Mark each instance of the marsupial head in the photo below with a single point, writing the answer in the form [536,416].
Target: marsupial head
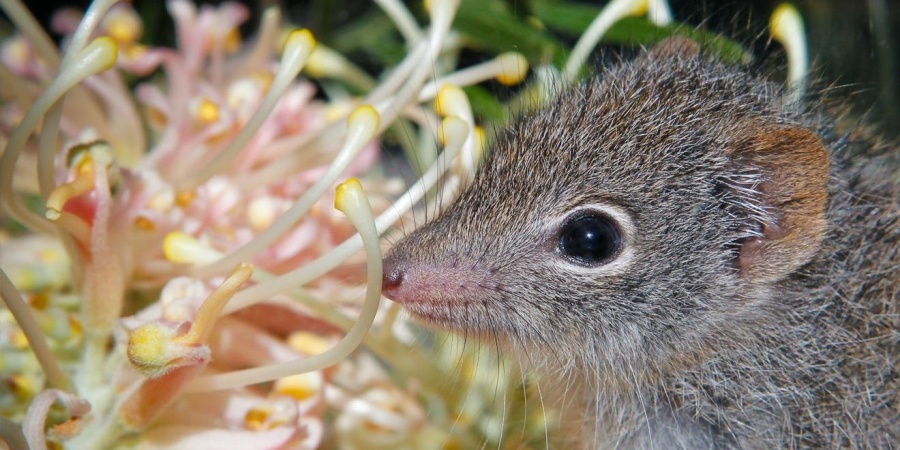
[630,222]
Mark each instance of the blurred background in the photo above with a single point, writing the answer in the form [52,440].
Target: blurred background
[855,45]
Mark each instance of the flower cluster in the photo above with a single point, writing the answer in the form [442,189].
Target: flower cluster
[204,187]
[178,269]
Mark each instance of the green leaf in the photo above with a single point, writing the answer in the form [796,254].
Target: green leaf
[573,18]
[489,25]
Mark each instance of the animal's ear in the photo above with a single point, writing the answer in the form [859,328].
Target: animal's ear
[675,46]
[778,184]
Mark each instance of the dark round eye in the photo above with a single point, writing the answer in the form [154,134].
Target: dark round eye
[590,239]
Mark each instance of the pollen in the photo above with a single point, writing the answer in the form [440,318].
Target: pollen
[49,256]
[143,223]
[299,387]
[18,340]
[308,343]
[135,51]
[255,418]
[184,198]
[205,111]
[451,100]
[262,212]
[181,248]
[21,386]
[124,26]
[148,348]
[513,66]
[82,183]
[232,40]
[16,51]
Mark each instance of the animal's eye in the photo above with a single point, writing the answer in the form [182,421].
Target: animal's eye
[590,239]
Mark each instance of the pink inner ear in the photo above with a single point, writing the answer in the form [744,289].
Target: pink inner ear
[793,196]
[773,231]
[751,250]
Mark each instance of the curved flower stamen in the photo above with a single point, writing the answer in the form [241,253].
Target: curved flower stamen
[297,48]
[508,68]
[362,125]
[614,11]
[32,330]
[100,55]
[786,27]
[456,133]
[36,417]
[351,201]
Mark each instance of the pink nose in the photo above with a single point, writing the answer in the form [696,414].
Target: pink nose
[391,280]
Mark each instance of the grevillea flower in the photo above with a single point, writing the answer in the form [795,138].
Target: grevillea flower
[185,275]
[205,189]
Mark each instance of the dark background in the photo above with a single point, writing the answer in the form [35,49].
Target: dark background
[854,44]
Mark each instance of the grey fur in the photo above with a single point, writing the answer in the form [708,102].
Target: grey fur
[679,348]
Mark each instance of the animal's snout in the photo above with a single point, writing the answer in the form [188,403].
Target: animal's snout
[391,279]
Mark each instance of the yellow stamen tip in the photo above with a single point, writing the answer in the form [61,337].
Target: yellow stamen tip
[184,198]
[349,195]
[366,118]
[480,143]
[300,387]
[205,111]
[105,48]
[232,40]
[82,183]
[143,223]
[300,39]
[639,8]
[308,343]
[148,348]
[124,26]
[514,67]
[784,20]
[183,249]
[255,418]
[451,100]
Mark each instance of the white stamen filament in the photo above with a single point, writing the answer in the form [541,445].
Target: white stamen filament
[353,203]
[455,131]
[32,330]
[399,75]
[50,127]
[402,19]
[265,41]
[325,62]
[659,13]
[297,48]
[786,27]
[100,55]
[452,101]
[442,12]
[511,65]
[614,11]
[361,127]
